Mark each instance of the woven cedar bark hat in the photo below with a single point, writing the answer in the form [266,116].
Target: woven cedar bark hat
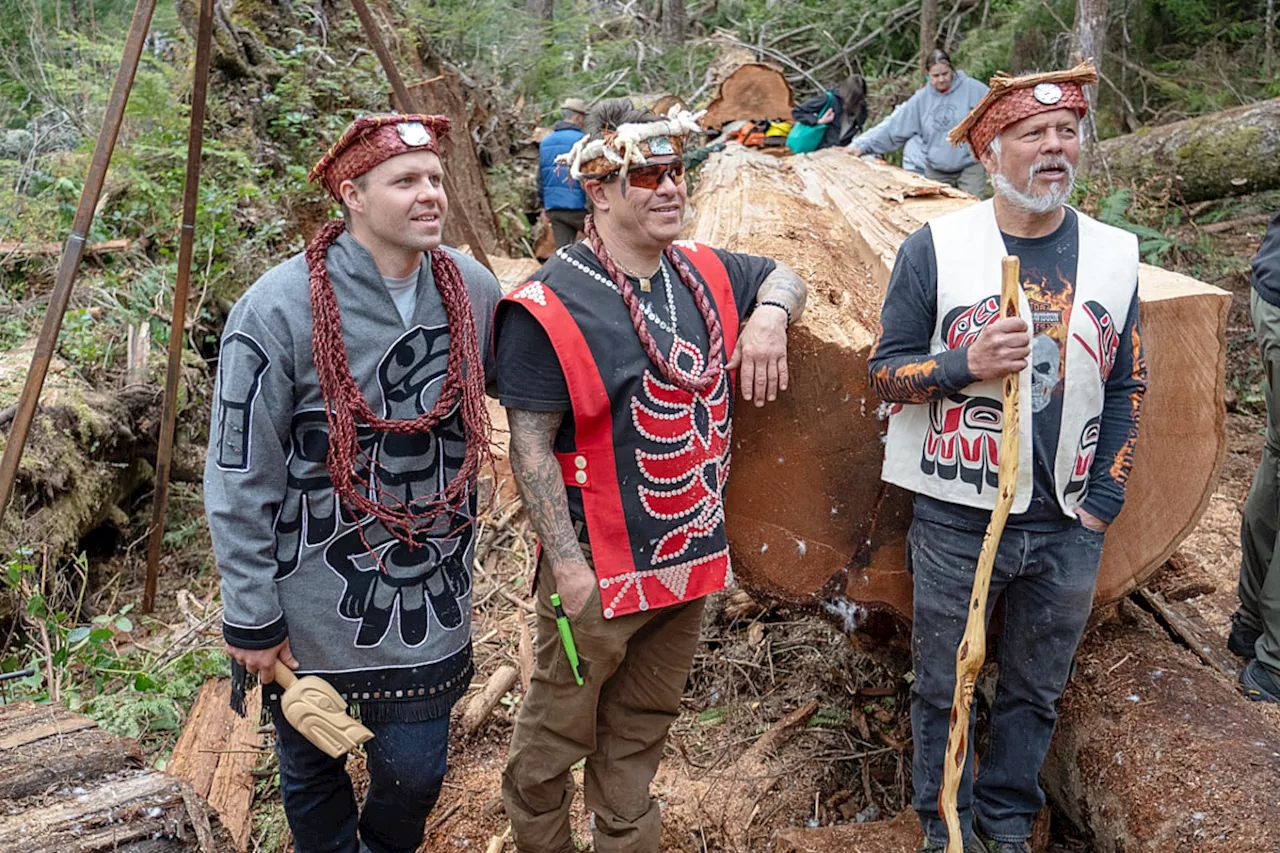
[371,140]
[1011,99]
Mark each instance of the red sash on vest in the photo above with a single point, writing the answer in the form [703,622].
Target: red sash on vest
[674,481]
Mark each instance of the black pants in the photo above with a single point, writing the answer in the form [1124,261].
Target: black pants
[406,763]
[1044,583]
[565,225]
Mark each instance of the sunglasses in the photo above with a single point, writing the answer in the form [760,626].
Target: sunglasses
[650,177]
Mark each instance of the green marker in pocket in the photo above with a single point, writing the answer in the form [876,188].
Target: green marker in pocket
[566,636]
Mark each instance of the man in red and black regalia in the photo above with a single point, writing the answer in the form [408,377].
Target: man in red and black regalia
[617,366]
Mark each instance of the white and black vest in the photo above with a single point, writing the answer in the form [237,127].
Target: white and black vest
[948,448]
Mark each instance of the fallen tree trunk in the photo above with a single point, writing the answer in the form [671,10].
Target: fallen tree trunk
[753,91]
[1221,154]
[1156,751]
[70,787]
[826,529]
[216,753]
[87,451]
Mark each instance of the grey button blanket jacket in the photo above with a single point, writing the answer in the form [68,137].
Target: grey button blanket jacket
[395,640]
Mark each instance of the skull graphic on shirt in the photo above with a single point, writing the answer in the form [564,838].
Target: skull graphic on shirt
[1046,361]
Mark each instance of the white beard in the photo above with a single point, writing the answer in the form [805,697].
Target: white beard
[1047,202]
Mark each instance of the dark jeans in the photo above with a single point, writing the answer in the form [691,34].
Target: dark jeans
[406,762]
[565,225]
[1260,517]
[1044,582]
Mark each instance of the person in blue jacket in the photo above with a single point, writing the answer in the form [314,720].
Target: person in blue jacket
[563,203]
[930,113]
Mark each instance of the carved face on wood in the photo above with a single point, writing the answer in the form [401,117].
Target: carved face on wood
[316,710]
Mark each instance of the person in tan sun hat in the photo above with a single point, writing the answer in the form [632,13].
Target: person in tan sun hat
[348,427]
[939,361]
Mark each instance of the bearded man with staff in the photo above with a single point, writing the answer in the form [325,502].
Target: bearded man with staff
[945,346]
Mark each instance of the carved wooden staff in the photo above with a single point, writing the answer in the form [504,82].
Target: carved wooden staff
[177,328]
[973,645]
[47,340]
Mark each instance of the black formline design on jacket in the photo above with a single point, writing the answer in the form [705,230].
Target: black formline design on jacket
[434,572]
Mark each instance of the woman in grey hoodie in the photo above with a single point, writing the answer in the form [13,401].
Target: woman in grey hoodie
[930,113]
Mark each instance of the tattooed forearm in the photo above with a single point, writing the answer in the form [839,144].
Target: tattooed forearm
[541,482]
[783,285]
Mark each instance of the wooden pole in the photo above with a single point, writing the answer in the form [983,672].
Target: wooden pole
[177,326]
[74,250]
[409,103]
[973,645]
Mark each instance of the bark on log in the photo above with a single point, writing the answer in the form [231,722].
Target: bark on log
[825,528]
[1157,752]
[70,787]
[444,95]
[215,754]
[753,91]
[1226,153]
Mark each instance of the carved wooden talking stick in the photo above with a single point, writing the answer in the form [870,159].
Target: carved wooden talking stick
[973,645]
[317,711]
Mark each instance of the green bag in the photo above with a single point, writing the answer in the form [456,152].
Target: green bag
[804,138]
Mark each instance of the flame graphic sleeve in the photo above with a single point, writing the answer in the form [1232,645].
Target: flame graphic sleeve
[1121,413]
[900,367]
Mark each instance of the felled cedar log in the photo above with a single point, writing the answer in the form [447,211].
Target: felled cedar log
[69,787]
[825,528]
[1226,153]
[1156,752]
[753,91]
[216,753]
[444,95]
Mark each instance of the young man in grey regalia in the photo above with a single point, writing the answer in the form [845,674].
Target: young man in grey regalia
[348,427]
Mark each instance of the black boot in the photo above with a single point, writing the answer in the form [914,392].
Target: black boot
[1243,637]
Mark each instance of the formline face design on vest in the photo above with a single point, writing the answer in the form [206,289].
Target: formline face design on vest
[963,441]
[929,445]
[648,459]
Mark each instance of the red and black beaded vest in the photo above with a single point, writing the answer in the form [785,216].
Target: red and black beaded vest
[650,459]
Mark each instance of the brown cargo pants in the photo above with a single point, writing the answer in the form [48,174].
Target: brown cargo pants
[634,669]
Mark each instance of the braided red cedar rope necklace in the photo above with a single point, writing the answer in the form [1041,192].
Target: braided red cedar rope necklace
[346,408]
[715,332]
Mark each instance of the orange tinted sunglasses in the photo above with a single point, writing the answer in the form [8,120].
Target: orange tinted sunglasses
[650,177]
